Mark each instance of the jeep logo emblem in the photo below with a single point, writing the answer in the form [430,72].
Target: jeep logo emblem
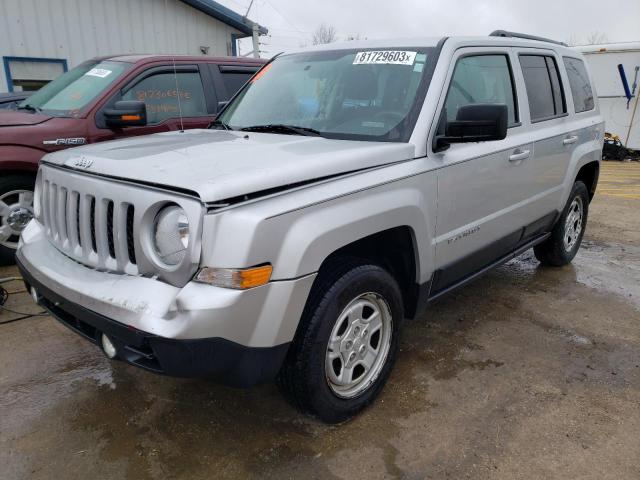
[82,162]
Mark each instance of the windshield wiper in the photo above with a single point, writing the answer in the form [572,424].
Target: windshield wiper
[282,128]
[31,108]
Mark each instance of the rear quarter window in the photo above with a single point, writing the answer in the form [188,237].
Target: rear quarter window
[581,90]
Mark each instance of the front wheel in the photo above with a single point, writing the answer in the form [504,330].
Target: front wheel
[16,210]
[566,237]
[346,343]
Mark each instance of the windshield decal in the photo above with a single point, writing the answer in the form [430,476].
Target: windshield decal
[388,57]
[99,72]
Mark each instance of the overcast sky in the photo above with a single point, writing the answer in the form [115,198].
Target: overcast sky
[292,22]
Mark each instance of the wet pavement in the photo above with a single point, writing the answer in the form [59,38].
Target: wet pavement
[529,372]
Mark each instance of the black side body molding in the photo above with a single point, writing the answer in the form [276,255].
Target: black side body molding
[496,263]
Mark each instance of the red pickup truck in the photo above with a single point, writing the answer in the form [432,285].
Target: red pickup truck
[103,99]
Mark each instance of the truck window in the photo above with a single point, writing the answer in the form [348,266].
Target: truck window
[481,79]
[579,83]
[74,90]
[544,89]
[160,95]
[233,81]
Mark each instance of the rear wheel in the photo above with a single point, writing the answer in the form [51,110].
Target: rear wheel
[566,237]
[16,210]
[346,343]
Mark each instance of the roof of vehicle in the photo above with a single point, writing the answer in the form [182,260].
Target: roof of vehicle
[427,42]
[148,58]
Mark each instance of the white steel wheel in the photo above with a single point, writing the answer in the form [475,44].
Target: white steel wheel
[358,345]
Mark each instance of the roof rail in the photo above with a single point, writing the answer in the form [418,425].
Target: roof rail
[505,33]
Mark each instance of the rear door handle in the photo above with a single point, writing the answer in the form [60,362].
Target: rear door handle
[570,140]
[519,155]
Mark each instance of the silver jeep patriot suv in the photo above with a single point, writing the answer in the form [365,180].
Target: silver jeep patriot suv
[339,192]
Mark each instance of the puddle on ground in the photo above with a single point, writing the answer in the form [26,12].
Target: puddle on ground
[603,266]
[610,267]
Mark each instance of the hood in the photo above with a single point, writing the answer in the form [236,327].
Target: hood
[218,164]
[17,118]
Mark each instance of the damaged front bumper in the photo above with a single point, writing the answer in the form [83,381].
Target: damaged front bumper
[236,337]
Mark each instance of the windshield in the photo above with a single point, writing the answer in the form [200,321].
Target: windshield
[348,94]
[72,91]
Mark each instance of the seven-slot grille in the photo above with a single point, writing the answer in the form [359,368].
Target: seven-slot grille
[93,230]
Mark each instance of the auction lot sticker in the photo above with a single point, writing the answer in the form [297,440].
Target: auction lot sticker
[98,72]
[389,57]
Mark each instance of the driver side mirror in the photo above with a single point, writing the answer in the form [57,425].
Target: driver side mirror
[126,113]
[476,122]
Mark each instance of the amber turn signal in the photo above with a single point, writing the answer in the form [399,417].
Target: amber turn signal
[239,279]
[130,118]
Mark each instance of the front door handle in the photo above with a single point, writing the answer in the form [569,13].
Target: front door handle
[519,155]
[570,140]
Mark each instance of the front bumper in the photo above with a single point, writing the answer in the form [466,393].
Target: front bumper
[216,358]
[236,337]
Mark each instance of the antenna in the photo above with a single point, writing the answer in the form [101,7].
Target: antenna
[250,5]
[175,76]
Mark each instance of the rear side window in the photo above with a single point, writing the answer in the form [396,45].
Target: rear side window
[481,79]
[234,77]
[579,82]
[544,88]
[234,81]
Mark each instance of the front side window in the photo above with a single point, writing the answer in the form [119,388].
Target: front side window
[481,79]
[579,83]
[544,89]
[348,94]
[167,93]
[71,92]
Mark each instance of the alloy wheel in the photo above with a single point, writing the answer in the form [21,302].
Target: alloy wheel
[16,210]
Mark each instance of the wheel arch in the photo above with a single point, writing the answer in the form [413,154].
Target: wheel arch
[19,159]
[588,174]
[394,249]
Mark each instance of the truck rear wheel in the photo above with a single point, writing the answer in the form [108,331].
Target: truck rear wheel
[16,210]
[346,343]
[566,236]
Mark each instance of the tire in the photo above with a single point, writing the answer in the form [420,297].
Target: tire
[12,195]
[305,377]
[564,242]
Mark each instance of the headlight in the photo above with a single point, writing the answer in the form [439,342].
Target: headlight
[171,235]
